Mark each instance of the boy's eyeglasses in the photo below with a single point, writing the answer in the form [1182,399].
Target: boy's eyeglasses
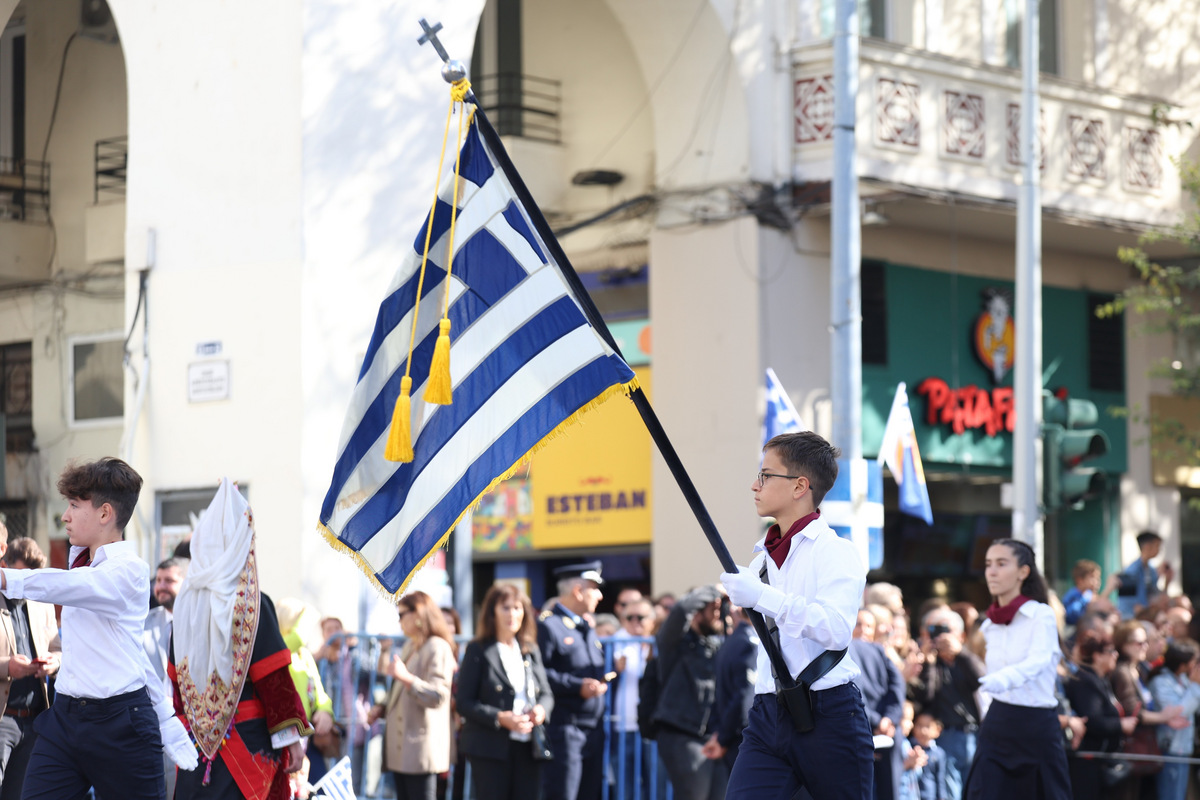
[762,477]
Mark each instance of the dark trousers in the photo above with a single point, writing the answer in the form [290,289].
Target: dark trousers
[112,744]
[16,745]
[577,769]
[834,760]
[415,787]
[693,776]
[514,775]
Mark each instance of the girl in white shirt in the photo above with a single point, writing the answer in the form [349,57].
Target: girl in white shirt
[1020,748]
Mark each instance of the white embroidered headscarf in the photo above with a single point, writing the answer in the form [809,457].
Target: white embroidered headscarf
[219,594]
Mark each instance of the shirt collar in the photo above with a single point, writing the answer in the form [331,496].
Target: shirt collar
[105,551]
[812,530]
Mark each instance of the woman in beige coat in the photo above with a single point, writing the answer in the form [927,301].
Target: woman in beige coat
[417,708]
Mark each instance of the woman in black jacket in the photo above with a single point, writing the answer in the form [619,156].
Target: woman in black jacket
[504,698]
[1092,697]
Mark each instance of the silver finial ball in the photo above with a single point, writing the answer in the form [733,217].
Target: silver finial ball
[454,71]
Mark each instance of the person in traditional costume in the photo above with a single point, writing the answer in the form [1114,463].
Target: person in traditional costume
[229,666]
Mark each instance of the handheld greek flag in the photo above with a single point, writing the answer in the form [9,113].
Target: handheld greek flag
[524,363]
[337,784]
[781,416]
[899,451]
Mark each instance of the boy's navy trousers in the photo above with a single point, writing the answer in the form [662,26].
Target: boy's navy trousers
[112,744]
[834,761]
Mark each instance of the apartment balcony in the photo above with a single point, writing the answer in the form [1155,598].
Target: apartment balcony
[25,235]
[933,125]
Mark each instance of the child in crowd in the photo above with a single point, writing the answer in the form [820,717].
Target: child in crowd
[914,757]
[1086,575]
[938,779]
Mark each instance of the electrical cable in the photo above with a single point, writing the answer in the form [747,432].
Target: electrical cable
[62,70]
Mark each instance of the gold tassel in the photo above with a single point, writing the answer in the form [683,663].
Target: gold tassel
[399,443]
[437,388]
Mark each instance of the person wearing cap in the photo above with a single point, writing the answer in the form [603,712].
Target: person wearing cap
[574,662]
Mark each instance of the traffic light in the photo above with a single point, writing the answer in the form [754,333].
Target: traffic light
[1068,439]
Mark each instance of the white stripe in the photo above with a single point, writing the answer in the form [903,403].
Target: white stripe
[520,393]
[469,350]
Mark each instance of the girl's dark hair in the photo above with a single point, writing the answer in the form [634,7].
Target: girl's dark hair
[1180,652]
[1034,585]
[486,629]
[429,617]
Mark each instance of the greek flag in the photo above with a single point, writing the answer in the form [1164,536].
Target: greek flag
[337,784]
[524,363]
[781,416]
[899,451]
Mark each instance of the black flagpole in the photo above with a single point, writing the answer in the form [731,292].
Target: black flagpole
[640,401]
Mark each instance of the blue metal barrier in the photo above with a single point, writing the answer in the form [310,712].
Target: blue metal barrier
[354,683]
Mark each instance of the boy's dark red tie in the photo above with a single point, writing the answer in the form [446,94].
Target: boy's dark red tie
[83,559]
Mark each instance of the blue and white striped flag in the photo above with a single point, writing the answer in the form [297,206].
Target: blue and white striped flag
[899,451]
[337,784]
[524,362]
[781,416]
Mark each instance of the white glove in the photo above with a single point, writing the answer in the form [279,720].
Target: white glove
[744,587]
[178,745]
[992,684]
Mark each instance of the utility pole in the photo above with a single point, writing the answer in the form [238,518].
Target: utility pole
[1027,443]
[846,247]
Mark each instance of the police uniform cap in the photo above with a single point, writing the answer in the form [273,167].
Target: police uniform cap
[588,570]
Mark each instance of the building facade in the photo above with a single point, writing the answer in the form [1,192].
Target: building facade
[203,208]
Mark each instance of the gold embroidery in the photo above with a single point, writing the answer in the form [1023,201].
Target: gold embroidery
[211,714]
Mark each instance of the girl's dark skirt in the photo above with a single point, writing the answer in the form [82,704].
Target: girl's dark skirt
[1019,754]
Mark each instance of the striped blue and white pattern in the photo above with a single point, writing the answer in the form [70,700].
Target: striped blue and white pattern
[781,415]
[523,361]
[854,507]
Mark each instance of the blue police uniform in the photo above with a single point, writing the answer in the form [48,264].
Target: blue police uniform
[571,652]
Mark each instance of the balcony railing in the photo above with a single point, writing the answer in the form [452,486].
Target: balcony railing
[24,189]
[112,157]
[943,125]
[522,105]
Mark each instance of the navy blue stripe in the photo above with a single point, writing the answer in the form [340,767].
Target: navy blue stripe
[476,168]
[487,266]
[568,397]
[395,306]
[378,415]
[517,220]
[546,327]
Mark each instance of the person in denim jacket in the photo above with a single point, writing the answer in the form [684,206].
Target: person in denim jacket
[1177,683]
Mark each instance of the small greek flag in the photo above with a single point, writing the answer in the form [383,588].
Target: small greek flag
[337,784]
[524,364]
[781,416]
[899,451]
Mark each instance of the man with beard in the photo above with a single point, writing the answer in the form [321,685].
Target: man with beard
[157,637]
[687,650]
[574,662]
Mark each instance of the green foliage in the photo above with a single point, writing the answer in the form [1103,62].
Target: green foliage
[1166,301]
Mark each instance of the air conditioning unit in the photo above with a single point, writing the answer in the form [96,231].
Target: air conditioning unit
[96,21]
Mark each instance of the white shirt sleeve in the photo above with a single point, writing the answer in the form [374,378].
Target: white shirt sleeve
[828,619]
[102,589]
[1043,652]
[287,736]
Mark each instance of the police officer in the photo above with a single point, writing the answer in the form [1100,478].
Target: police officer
[574,661]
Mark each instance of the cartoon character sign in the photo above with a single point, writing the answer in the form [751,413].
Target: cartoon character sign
[994,334]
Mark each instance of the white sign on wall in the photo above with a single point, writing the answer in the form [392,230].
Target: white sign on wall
[208,381]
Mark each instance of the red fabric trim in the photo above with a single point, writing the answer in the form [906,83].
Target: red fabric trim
[249,709]
[253,774]
[269,664]
[281,701]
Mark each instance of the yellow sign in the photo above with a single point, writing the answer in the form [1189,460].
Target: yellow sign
[592,487]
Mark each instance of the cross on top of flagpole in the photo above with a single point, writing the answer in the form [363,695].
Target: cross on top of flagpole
[430,35]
